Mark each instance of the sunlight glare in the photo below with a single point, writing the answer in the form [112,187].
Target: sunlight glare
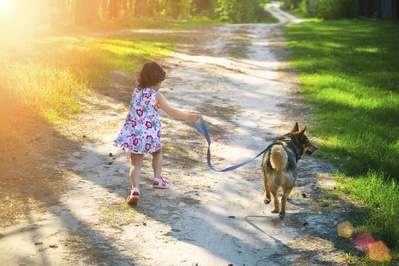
[20,19]
[4,5]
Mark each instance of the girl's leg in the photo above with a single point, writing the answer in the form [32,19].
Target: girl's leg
[135,169]
[157,163]
[158,182]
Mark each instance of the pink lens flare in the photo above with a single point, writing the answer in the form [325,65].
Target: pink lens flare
[363,241]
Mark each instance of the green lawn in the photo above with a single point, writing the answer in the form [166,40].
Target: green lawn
[349,73]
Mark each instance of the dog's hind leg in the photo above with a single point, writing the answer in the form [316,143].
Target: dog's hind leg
[266,197]
[274,190]
[286,193]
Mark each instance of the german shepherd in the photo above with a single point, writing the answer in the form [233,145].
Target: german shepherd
[279,165]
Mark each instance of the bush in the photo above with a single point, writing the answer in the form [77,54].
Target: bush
[291,4]
[332,9]
[237,11]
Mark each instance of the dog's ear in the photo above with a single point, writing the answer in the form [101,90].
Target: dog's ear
[296,127]
[303,131]
[285,136]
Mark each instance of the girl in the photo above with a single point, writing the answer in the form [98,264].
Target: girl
[141,131]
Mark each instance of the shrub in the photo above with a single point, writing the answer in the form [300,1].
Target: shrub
[332,9]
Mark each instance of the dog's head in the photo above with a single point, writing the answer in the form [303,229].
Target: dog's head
[299,138]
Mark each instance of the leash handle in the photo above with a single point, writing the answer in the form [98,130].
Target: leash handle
[204,132]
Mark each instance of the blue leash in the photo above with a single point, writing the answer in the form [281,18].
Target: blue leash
[204,132]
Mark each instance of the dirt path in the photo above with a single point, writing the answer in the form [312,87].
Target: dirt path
[206,218]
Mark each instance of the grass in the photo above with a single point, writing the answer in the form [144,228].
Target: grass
[117,213]
[348,71]
[380,197]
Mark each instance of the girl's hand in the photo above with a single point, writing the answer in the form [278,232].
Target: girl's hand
[196,119]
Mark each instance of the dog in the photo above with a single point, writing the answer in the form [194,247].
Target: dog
[279,165]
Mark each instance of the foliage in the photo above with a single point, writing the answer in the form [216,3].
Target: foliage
[325,9]
[332,9]
[348,71]
[291,4]
[63,13]
[236,11]
[203,8]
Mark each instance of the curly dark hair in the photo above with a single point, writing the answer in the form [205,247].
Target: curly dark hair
[151,74]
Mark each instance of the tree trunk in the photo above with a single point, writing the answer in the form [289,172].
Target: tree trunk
[113,8]
[83,11]
[138,8]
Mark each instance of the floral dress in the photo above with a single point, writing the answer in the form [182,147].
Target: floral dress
[141,131]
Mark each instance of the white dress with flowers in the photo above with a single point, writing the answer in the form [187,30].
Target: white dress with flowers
[141,131]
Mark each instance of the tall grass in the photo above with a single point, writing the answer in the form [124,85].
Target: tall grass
[33,86]
[348,70]
[37,85]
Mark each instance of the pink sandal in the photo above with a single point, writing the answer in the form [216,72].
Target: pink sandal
[134,196]
[159,182]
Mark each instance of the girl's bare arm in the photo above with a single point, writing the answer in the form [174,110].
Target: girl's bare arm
[164,105]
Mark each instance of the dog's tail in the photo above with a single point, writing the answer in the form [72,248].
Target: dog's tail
[278,157]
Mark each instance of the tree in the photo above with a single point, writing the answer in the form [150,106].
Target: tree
[332,9]
[83,11]
[203,7]
[138,7]
[237,11]
[113,8]
[291,4]
[177,9]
